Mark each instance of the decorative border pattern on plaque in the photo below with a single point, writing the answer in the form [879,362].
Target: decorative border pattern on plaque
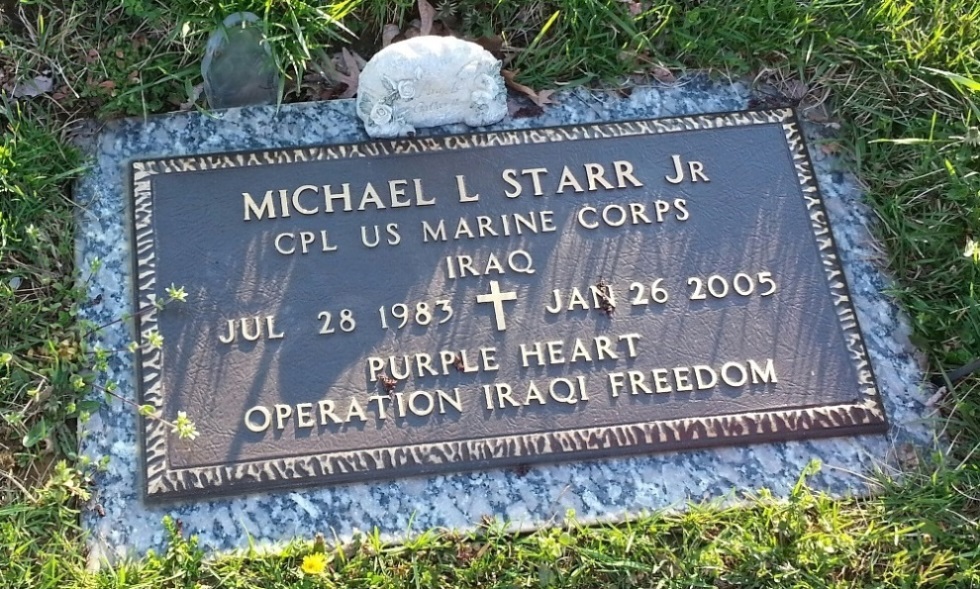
[866,415]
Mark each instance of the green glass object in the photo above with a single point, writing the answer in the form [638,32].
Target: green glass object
[239,67]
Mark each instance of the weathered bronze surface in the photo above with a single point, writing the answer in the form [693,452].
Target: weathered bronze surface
[402,307]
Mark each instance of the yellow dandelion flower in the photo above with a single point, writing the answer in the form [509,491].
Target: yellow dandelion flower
[314,564]
[972,250]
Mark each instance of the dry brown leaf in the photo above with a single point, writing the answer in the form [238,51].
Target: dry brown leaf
[350,78]
[795,89]
[426,14]
[353,73]
[539,98]
[388,33]
[29,89]
[107,84]
[360,61]
[663,75]
[509,79]
[544,97]
[495,45]
[192,99]
[830,148]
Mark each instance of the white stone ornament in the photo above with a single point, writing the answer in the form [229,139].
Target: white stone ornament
[430,81]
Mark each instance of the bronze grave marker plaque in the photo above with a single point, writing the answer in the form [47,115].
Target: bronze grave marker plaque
[393,308]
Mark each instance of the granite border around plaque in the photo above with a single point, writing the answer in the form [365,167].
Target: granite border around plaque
[119,524]
[163,482]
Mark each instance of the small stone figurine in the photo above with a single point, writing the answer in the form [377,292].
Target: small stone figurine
[429,81]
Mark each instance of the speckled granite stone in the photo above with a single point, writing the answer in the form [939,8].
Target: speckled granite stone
[599,490]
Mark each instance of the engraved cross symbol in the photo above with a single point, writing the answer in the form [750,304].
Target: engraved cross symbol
[497,298]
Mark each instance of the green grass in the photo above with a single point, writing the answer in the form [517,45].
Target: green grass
[901,77]
[38,341]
